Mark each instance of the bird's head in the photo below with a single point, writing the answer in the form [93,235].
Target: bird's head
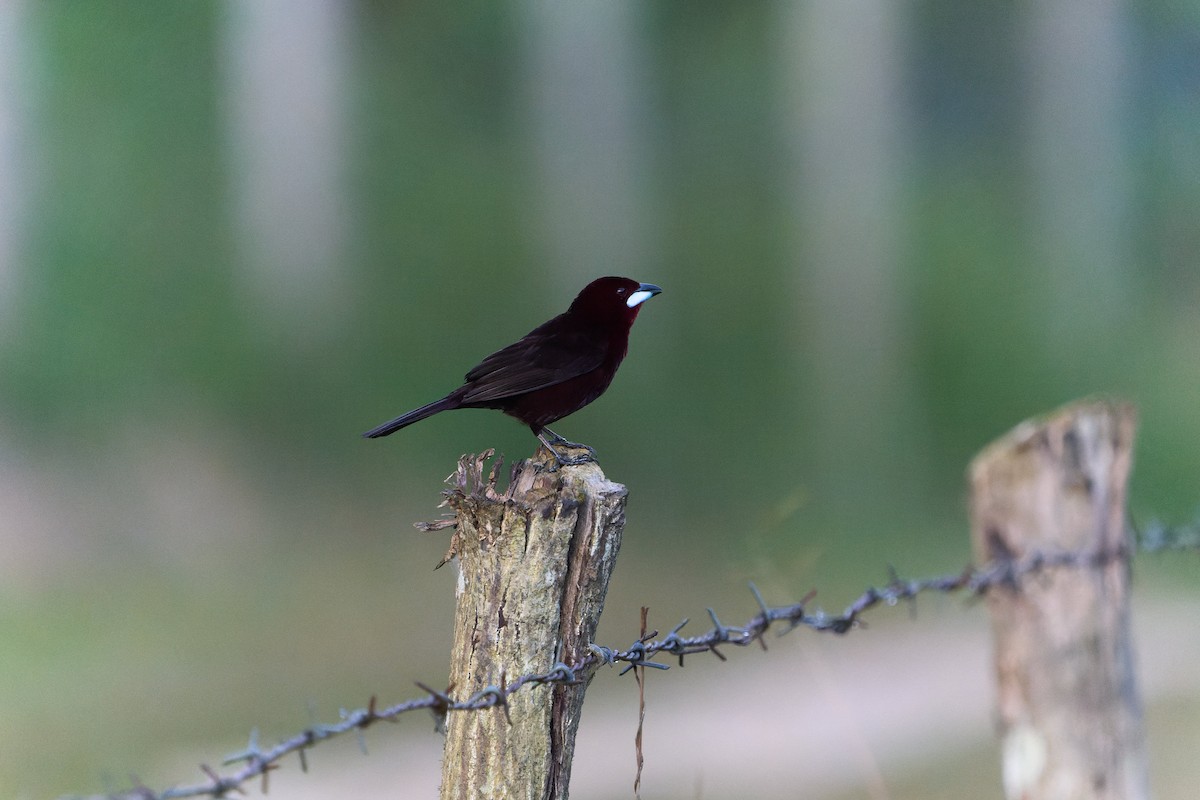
[612,299]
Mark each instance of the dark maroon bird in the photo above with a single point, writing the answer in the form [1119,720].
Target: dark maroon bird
[555,370]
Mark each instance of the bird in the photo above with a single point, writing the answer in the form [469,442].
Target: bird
[554,370]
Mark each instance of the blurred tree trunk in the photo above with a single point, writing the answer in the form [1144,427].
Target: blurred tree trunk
[583,69]
[13,144]
[844,102]
[284,84]
[1076,63]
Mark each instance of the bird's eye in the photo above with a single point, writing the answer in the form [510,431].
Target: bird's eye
[622,290]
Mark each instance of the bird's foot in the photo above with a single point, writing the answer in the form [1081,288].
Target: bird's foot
[555,442]
[572,461]
[555,439]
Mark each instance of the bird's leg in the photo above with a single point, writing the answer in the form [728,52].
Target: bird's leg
[563,461]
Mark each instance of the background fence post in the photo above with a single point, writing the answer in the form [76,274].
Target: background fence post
[1069,711]
[534,563]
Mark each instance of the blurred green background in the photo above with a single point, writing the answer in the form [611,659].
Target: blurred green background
[235,235]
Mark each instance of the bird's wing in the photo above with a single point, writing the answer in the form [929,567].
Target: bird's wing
[548,355]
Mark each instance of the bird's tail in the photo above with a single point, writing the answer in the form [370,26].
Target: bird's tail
[416,415]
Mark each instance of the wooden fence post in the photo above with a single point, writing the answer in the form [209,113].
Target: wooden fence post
[534,563]
[1070,716]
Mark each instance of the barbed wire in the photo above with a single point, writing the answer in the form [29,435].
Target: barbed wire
[1157,536]
[258,762]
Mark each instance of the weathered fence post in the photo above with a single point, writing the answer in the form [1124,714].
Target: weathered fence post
[1069,712]
[534,563]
